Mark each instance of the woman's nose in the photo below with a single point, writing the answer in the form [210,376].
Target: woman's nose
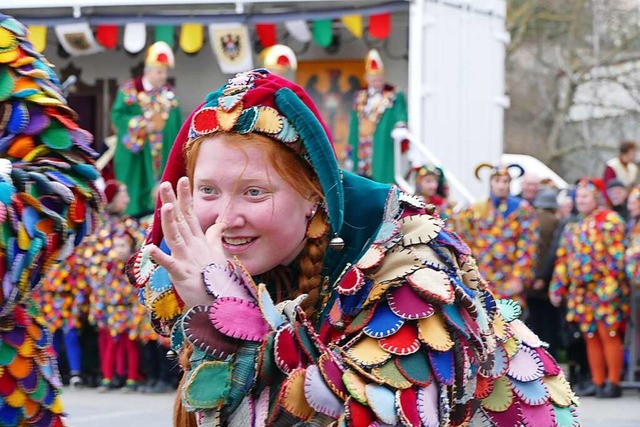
[232,215]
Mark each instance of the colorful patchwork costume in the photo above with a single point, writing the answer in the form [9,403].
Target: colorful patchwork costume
[407,332]
[141,154]
[503,237]
[47,205]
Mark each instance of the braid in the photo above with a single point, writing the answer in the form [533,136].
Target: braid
[310,278]
[182,418]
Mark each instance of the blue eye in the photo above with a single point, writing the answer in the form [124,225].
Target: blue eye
[254,192]
[205,189]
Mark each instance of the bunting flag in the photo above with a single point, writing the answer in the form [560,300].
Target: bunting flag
[107,36]
[232,46]
[164,33]
[299,30]
[267,34]
[135,37]
[380,25]
[191,37]
[77,39]
[323,32]
[38,37]
[353,23]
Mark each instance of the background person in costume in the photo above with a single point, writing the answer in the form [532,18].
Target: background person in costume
[431,186]
[590,276]
[377,111]
[47,205]
[280,60]
[623,167]
[396,326]
[502,232]
[146,117]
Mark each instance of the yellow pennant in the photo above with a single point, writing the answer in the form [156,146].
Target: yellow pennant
[38,37]
[191,37]
[353,24]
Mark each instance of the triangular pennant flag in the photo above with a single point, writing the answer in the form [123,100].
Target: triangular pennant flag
[191,37]
[135,37]
[38,37]
[353,23]
[77,39]
[299,30]
[107,36]
[323,32]
[267,34]
[164,33]
[232,47]
[380,25]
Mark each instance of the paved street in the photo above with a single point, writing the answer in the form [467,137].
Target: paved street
[87,408]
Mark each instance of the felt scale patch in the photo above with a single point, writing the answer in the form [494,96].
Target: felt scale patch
[411,200]
[269,311]
[550,366]
[355,386]
[512,345]
[382,402]
[525,334]
[384,322]
[532,393]
[238,318]
[165,306]
[287,353]
[318,227]
[406,401]
[484,387]
[359,415]
[500,398]
[351,282]
[208,385]
[442,364]
[371,258]
[367,352]
[559,390]
[509,309]
[160,281]
[405,341]
[319,396]
[398,262]
[428,406]
[361,319]
[332,374]
[221,281]
[566,417]
[419,229]
[537,415]
[509,417]
[434,285]
[390,374]
[432,332]
[407,304]
[388,234]
[292,395]
[197,328]
[525,365]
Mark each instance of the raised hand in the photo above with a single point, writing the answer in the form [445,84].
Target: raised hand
[191,249]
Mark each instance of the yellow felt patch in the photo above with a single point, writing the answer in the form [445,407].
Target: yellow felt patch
[165,306]
[501,397]
[227,119]
[318,226]
[560,390]
[269,120]
[16,399]
[367,352]
[293,400]
[432,332]
[512,345]
[500,327]
[57,406]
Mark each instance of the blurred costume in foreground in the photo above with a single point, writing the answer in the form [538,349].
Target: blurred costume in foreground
[47,205]
[147,118]
[377,110]
[502,232]
[398,327]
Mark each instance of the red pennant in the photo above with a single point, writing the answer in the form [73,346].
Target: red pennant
[107,36]
[380,25]
[267,34]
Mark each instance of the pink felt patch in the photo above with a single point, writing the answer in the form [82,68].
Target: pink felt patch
[428,405]
[238,318]
[549,364]
[332,374]
[525,365]
[406,303]
[510,417]
[540,415]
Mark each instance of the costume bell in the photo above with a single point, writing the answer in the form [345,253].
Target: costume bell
[502,232]
[147,118]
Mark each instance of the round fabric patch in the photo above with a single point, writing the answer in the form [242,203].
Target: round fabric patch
[532,393]
[549,364]
[428,406]
[269,120]
[559,390]
[288,355]
[160,280]
[419,229]
[332,374]
[431,331]
[566,417]
[355,385]
[403,342]
[500,398]
[387,231]
[165,306]
[351,282]
[319,396]
[433,285]
[368,353]
[525,365]
[538,415]
[205,121]
[56,137]
[382,402]
[415,368]
[390,375]
[442,364]
[358,415]
[408,407]
[384,322]
[406,303]
[371,258]
[509,309]
[525,334]
[198,329]
[208,385]
[292,395]
[238,318]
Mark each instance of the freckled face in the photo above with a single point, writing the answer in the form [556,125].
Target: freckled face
[266,217]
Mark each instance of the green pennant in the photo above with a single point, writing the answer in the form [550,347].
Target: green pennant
[164,33]
[323,32]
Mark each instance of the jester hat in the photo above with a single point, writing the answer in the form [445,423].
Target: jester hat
[500,170]
[48,199]
[159,54]
[279,57]
[261,102]
[597,186]
[373,64]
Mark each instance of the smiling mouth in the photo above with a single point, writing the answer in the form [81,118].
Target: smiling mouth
[238,241]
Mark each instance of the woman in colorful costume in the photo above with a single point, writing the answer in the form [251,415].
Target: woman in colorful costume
[502,232]
[590,276]
[397,326]
[431,186]
[47,205]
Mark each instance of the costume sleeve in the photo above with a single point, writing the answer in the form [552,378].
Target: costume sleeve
[632,258]
[609,174]
[400,106]
[611,263]
[130,124]
[526,246]
[410,336]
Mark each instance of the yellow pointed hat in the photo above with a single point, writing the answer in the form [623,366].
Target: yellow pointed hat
[159,54]
[373,63]
[279,58]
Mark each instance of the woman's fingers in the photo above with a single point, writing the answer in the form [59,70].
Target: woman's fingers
[166,261]
[185,205]
[172,234]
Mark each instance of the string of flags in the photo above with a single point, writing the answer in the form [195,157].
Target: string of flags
[230,42]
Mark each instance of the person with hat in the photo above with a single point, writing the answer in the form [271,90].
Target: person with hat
[623,167]
[280,60]
[294,292]
[432,188]
[590,276]
[48,204]
[378,110]
[503,233]
[618,192]
[146,116]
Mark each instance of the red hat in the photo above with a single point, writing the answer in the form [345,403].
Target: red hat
[111,189]
[260,102]
[596,185]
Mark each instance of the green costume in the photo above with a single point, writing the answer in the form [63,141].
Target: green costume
[141,155]
[370,130]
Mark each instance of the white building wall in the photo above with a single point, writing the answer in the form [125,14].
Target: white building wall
[456,82]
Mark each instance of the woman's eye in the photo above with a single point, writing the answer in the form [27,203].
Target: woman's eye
[254,192]
[206,189]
